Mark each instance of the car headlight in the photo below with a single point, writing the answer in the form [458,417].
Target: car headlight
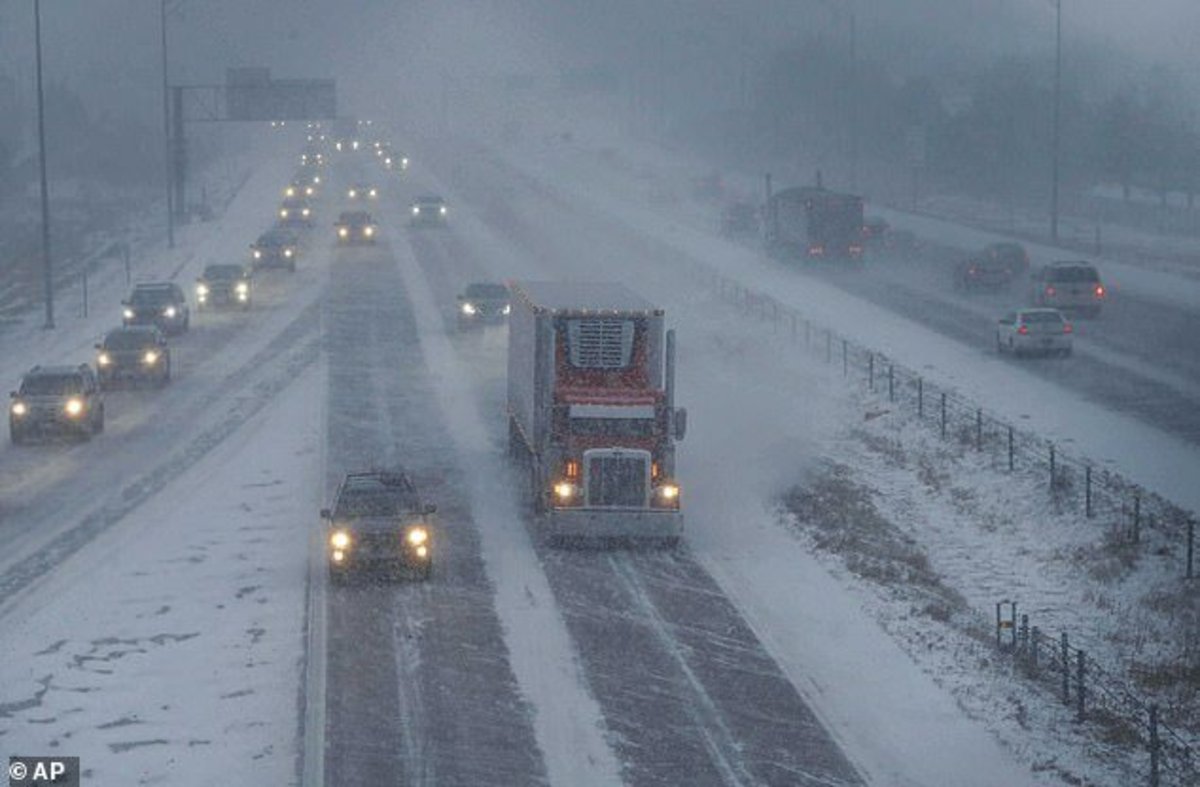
[343,232]
[19,409]
[151,357]
[127,314]
[242,288]
[507,309]
[74,407]
[352,193]
[169,312]
[372,193]
[468,308]
[565,491]
[354,144]
[283,214]
[201,290]
[442,210]
[317,179]
[289,192]
[338,145]
[305,212]
[308,192]
[257,254]
[416,210]
[340,539]
[103,359]
[287,252]
[404,163]
[387,162]
[368,231]
[418,536]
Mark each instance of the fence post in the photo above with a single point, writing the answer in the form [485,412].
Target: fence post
[1066,670]
[943,415]
[1137,518]
[1010,449]
[845,359]
[1080,672]
[1087,491]
[1191,542]
[920,398]
[891,383]
[871,371]
[1036,634]
[1052,465]
[979,429]
[1153,746]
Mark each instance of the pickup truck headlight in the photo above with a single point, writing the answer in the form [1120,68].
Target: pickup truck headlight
[343,232]
[19,409]
[103,359]
[127,314]
[469,309]
[417,536]
[369,231]
[201,290]
[150,358]
[340,539]
[241,288]
[74,407]
[169,312]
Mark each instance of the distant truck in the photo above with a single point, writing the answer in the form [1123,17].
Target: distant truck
[809,222]
[592,415]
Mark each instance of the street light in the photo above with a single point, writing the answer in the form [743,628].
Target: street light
[1057,112]
[47,270]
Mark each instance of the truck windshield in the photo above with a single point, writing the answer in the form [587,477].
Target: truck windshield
[613,427]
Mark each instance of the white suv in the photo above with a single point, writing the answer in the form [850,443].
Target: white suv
[1034,331]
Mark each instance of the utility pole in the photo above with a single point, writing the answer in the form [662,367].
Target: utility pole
[47,269]
[166,126]
[1057,113]
[854,101]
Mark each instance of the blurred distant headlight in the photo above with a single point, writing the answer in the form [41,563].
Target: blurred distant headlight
[287,252]
[283,213]
[418,536]
[340,539]
[343,232]
[372,193]
[169,312]
[354,144]
[387,162]
[19,409]
[289,192]
[469,308]
[242,288]
[305,212]
[442,210]
[257,254]
[74,407]
[338,145]
[150,358]
[507,309]
[308,191]
[368,231]
[416,210]
[404,162]
[202,290]
[127,314]
[103,359]
[317,179]
[352,193]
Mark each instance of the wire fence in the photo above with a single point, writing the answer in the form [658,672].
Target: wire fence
[1073,482]
[1100,494]
[1099,698]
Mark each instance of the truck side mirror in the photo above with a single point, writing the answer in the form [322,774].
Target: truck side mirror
[325,513]
[680,424]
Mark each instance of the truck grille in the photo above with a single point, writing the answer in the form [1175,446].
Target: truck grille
[599,343]
[616,481]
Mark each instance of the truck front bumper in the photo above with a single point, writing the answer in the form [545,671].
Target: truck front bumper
[614,523]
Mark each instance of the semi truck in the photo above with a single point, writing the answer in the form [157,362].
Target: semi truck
[807,222]
[591,411]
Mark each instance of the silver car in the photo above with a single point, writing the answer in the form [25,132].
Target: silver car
[1030,331]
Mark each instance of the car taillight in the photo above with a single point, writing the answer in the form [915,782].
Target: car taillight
[1067,327]
[1099,290]
[1050,291]
[1024,329]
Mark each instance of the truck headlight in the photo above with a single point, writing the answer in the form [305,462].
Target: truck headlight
[372,193]
[103,359]
[169,312]
[417,536]
[343,232]
[340,540]
[666,495]
[565,491]
[283,214]
[469,309]
[150,357]
[74,407]
[127,314]
[201,290]
[287,252]
[19,409]
[368,231]
[352,193]
[242,288]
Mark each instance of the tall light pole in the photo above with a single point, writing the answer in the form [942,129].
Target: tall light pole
[47,269]
[1057,113]
[166,125]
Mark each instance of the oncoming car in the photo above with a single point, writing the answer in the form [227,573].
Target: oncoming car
[429,210]
[162,304]
[1034,331]
[138,354]
[362,191]
[276,248]
[378,519]
[354,227]
[483,302]
[223,285]
[56,399]
[296,211]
